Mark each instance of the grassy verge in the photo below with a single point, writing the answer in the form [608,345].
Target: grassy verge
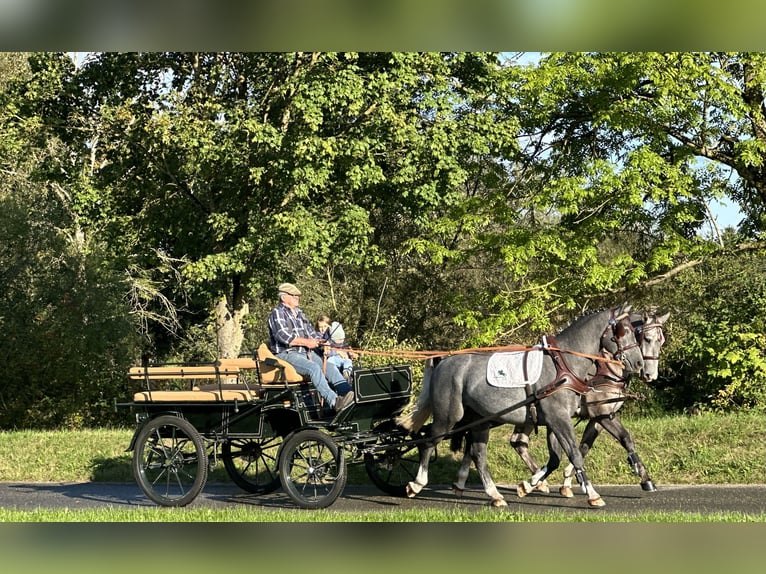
[706,448]
[242,514]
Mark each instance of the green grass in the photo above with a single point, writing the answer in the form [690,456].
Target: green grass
[241,514]
[699,449]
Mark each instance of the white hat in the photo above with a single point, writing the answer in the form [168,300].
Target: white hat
[337,332]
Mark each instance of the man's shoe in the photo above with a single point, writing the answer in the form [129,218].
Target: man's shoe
[344,401]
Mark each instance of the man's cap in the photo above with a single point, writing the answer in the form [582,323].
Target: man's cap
[288,288]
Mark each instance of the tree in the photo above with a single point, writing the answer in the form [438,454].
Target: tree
[250,168]
[65,334]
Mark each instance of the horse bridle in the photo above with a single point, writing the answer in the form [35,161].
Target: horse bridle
[641,331]
[615,330]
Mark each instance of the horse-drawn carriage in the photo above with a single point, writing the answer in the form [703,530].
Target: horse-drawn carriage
[271,430]
[269,427]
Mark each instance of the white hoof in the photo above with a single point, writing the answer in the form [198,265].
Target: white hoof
[566,492]
[596,502]
[413,488]
[543,487]
[523,489]
[499,502]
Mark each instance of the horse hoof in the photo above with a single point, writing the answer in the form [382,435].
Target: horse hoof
[648,486]
[596,503]
[499,502]
[523,489]
[413,489]
[566,492]
[543,487]
[456,490]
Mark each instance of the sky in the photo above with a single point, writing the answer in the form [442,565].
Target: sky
[727,214]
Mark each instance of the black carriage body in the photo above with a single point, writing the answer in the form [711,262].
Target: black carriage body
[265,437]
[381,394]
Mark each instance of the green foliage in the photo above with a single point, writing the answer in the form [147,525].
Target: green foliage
[431,200]
[715,356]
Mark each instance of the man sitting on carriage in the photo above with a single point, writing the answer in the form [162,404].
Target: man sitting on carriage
[293,339]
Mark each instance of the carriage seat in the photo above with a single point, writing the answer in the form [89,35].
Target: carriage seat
[197,395]
[226,372]
[274,370]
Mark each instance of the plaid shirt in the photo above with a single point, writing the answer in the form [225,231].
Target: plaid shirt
[284,326]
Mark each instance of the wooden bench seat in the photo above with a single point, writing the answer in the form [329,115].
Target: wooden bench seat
[227,373]
[204,396]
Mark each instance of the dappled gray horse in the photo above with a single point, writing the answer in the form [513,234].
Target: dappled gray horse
[600,406]
[457,390]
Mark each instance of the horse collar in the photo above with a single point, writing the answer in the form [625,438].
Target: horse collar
[565,378]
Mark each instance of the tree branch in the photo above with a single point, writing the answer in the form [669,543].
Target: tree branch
[694,262]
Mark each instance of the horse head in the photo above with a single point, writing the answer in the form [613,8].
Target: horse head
[651,337]
[620,341]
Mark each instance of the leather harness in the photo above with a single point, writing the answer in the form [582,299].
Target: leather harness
[566,379]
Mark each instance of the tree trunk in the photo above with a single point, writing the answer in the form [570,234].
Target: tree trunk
[228,321]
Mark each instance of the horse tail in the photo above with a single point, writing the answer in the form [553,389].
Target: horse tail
[415,419]
[456,441]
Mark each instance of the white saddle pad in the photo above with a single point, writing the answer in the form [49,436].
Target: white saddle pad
[514,369]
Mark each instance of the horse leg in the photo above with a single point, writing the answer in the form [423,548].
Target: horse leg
[520,443]
[421,477]
[439,428]
[478,448]
[589,436]
[561,428]
[465,464]
[539,475]
[615,427]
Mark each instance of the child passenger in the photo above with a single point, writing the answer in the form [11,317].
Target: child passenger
[333,332]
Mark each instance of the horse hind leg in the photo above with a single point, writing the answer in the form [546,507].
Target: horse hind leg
[458,440]
[479,439]
[414,487]
[520,443]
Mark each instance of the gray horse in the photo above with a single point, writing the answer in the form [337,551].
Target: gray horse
[600,406]
[456,391]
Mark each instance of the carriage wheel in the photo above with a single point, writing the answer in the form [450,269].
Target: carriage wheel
[170,462]
[312,468]
[393,468]
[252,463]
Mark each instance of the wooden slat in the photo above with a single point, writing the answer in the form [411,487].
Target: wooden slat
[194,396]
[238,363]
[182,372]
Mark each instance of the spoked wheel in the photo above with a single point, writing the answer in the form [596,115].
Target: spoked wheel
[312,468]
[252,463]
[393,468]
[170,462]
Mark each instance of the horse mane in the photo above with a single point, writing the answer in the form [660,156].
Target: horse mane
[586,314]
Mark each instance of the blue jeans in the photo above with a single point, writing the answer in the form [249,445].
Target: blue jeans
[312,367]
[341,363]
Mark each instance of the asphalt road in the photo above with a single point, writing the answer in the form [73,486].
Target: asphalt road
[746,499]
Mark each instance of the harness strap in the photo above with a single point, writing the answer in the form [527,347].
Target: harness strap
[565,378]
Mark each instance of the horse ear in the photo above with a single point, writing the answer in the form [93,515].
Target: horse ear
[626,308]
[665,317]
[619,331]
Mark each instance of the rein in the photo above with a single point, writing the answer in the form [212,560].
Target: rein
[425,355]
